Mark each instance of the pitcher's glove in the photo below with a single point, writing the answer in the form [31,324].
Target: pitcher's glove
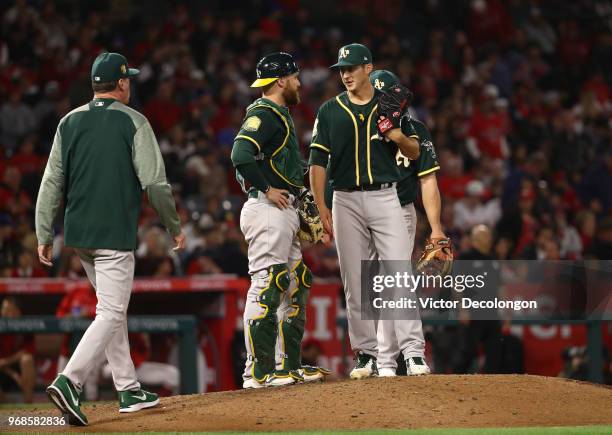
[311,227]
[437,259]
[392,104]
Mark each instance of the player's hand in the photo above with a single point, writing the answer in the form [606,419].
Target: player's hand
[180,241]
[280,197]
[394,134]
[44,254]
[326,219]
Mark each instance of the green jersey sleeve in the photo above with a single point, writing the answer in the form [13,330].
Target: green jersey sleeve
[320,142]
[408,128]
[258,128]
[428,160]
[320,133]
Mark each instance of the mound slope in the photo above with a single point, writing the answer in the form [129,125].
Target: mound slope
[383,403]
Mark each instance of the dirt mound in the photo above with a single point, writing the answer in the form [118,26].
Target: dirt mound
[403,402]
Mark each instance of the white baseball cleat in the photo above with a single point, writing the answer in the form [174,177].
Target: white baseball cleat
[417,366]
[386,373]
[313,373]
[252,383]
[365,367]
[284,377]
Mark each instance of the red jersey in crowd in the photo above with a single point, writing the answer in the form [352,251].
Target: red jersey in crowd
[489,131]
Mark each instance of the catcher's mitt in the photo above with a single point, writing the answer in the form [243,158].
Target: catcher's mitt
[311,227]
[437,258]
[392,104]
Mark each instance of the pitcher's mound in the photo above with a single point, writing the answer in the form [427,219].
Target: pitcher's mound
[402,402]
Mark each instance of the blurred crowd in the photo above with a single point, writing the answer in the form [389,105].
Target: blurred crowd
[516,94]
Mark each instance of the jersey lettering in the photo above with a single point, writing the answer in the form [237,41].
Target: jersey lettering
[401,159]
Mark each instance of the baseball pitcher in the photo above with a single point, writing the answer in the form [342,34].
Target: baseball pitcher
[359,142]
[270,168]
[103,155]
[407,335]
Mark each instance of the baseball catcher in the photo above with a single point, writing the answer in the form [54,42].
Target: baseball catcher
[269,166]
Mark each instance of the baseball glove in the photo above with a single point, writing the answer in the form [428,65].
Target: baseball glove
[392,104]
[437,258]
[311,227]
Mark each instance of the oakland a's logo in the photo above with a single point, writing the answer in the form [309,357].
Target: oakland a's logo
[379,84]
[123,69]
[344,52]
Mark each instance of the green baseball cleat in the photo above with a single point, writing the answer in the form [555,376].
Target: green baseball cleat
[65,396]
[284,377]
[313,373]
[365,367]
[132,401]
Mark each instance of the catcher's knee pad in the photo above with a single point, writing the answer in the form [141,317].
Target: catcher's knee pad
[292,327]
[262,328]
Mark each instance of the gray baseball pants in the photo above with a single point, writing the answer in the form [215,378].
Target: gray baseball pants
[271,234]
[111,273]
[362,218]
[401,335]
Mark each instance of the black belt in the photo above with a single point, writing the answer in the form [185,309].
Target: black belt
[254,193]
[367,187]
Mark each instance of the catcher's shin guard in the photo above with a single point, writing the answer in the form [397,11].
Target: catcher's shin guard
[261,321]
[291,327]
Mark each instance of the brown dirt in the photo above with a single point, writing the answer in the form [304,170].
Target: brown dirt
[383,403]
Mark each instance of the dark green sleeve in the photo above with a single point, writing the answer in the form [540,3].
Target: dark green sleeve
[320,143]
[251,173]
[259,126]
[243,159]
[318,157]
[243,152]
[428,160]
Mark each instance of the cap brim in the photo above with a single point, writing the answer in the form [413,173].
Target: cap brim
[133,72]
[345,63]
[263,82]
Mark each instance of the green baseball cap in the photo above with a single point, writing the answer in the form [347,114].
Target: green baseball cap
[382,79]
[110,67]
[353,54]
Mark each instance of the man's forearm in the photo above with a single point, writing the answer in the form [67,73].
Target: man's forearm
[432,203]
[408,145]
[317,184]
[162,201]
